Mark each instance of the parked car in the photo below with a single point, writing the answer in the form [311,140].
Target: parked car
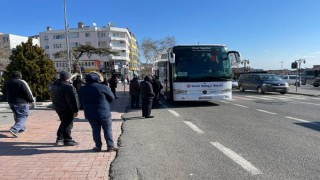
[235,84]
[263,83]
[292,79]
[316,82]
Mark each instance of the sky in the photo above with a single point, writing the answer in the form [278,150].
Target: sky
[271,34]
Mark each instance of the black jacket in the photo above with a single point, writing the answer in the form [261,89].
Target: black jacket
[146,90]
[64,97]
[134,87]
[17,91]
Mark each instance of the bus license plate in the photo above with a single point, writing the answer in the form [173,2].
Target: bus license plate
[205,97]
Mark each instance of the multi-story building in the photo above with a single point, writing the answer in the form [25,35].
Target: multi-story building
[116,39]
[9,42]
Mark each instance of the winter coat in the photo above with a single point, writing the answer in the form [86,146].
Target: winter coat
[17,91]
[64,97]
[113,82]
[146,90]
[134,87]
[96,98]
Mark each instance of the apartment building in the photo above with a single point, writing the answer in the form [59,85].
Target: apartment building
[119,40]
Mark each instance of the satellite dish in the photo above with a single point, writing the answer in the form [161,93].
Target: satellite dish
[94,24]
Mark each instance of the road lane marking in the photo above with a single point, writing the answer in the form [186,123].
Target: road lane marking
[297,119]
[268,112]
[309,103]
[174,113]
[257,97]
[193,127]
[225,102]
[241,105]
[237,158]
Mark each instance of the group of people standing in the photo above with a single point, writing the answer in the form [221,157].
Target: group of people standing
[92,95]
[66,97]
[149,90]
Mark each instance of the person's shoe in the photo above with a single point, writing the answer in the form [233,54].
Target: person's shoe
[71,143]
[149,116]
[59,143]
[14,133]
[22,130]
[112,149]
[96,149]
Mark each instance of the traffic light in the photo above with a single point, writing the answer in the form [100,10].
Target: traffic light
[294,65]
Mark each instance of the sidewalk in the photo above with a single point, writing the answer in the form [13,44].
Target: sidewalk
[34,155]
[306,90]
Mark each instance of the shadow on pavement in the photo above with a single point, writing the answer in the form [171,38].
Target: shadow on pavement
[29,148]
[312,125]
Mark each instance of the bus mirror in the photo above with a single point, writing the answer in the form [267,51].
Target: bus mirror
[172,57]
[235,55]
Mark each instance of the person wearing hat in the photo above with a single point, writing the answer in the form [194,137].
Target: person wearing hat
[19,96]
[65,101]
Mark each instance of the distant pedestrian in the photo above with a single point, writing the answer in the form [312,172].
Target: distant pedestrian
[157,86]
[134,89]
[65,101]
[77,83]
[113,82]
[18,94]
[147,96]
[96,99]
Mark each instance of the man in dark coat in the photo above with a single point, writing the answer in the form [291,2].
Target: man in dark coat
[147,96]
[157,86]
[113,82]
[134,89]
[65,101]
[96,99]
[18,94]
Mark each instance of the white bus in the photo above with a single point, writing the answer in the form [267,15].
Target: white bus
[197,73]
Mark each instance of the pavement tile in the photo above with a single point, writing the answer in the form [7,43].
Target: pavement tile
[33,155]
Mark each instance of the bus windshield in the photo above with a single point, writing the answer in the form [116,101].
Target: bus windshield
[201,63]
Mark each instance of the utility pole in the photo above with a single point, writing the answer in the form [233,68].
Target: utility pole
[299,61]
[66,29]
[245,62]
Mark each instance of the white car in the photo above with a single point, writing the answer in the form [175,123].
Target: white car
[291,79]
[235,84]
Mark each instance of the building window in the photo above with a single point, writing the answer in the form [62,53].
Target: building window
[58,36]
[103,34]
[87,34]
[48,56]
[47,47]
[46,38]
[102,44]
[74,44]
[56,46]
[74,35]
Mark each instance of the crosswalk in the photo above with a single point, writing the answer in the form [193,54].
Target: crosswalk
[274,97]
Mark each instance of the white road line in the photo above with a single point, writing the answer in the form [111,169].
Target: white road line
[256,97]
[241,105]
[225,102]
[244,98]
[194,127]
[174,113]
[268,112]
[237,158]
[297,119]
[309,103]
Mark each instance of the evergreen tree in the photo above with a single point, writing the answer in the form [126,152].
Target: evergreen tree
[37,70]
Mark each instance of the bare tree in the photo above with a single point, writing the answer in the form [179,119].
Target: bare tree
[152,49]
[4,55]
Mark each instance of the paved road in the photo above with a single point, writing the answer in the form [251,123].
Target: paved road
[270,136]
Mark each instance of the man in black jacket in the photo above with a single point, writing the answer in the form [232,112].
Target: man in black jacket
[134,89]
[19,95]
[65,101]
[147,96]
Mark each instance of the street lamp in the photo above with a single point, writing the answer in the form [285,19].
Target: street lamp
[245,62]
[299,61]
[67,36]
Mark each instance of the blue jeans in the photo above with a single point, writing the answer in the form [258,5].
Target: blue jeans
[106,125]
[20,115]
